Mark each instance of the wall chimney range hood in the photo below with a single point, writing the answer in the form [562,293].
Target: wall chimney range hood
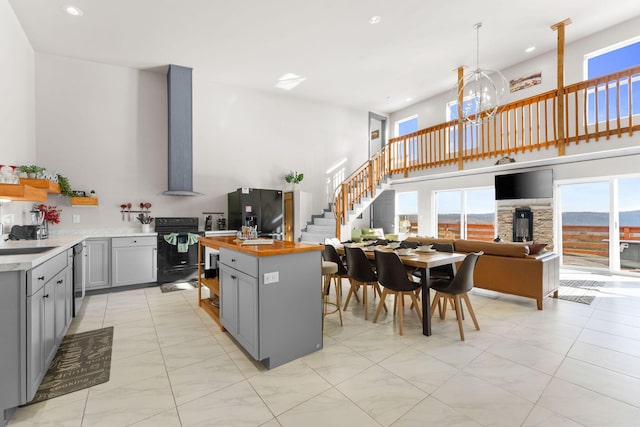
[180,155]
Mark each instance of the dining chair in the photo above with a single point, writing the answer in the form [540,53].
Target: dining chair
[360,275]
[455,290]
[393,277]
[330,254]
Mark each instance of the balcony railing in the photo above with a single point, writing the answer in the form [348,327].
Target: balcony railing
[518,127]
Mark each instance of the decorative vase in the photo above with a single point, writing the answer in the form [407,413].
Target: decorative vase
[146,228]
[295,185]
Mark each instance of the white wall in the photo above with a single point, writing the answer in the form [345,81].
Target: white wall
[17,137]
[105,128]
[17,131]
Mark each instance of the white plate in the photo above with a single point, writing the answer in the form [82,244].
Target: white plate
[426,250]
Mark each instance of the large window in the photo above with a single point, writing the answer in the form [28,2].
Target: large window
[466,214]
[606,61]
[405,127]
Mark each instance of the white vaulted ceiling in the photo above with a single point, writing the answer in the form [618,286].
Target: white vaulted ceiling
[411,53]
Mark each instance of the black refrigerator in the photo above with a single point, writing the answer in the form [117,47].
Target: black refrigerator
[254,206]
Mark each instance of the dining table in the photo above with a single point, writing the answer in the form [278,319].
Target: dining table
[422,260]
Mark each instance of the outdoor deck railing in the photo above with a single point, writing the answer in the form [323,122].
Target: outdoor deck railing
[593,109]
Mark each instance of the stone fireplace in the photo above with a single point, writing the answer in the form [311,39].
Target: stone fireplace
[531,217]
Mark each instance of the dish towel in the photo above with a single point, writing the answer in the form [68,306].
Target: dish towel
[182,241]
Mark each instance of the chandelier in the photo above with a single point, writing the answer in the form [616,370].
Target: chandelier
[481,90]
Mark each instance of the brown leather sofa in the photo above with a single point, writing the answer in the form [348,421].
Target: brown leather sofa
[509,268]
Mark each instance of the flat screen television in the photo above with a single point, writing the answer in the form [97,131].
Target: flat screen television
[536,184]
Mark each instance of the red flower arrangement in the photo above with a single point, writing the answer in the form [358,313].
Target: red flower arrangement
[51,213]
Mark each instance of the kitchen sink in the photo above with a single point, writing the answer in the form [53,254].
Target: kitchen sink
[25,251]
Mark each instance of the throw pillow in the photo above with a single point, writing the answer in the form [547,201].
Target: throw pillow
[536,248]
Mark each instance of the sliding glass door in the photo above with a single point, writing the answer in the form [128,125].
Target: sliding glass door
[585,224]
[600,224]
[629,220]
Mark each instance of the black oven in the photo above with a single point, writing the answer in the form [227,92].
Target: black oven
[177,249]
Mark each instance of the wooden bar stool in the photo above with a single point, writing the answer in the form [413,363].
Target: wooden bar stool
[329,269]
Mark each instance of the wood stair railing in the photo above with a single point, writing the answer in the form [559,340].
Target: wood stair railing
[593,109]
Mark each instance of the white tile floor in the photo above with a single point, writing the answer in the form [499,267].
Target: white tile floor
[568,365]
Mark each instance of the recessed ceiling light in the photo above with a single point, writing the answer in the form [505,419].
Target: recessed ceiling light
[408,99]
[289,80]
[73,11]
[530,49]
[374,19]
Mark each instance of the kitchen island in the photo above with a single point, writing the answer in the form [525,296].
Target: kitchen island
[267,297]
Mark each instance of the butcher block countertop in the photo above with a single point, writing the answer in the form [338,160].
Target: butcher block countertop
[279,247]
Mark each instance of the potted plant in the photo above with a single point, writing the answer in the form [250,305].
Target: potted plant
[31,171]
[294,178]
[65,186]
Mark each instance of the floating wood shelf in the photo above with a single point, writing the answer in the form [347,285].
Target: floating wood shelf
[22,193]
[45,184]
[84,201]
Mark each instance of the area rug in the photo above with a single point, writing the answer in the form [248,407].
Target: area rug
[178,286]
[82,360]
[582,291]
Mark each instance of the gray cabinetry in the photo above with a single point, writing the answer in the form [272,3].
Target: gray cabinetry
[239,307]
[41,336]
[272,305]
[121,261]
[98,253]
[229,304]
[35,313]
[63,300]
[48,307]
[133,260]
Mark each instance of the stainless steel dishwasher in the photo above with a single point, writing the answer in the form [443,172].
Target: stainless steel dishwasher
[79,261]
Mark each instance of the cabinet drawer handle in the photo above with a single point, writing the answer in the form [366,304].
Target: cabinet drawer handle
[233,277]
[45,296]
[41,278]
[233,260]
[60,281]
